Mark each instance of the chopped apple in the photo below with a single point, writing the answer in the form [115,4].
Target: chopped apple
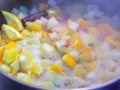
[52,23]
[86,57]
[80,71]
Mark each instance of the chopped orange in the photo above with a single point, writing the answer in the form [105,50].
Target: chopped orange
[12,72]
[83,24]
[105,28]
[69,60]
[10,45]
[45,32]
[87,49]
[1,52]
[56,68]
[112,41]
[78,44]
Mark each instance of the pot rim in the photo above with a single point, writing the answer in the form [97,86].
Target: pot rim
[38,87]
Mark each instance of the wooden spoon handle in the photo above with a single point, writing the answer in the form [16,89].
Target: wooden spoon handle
[35,16]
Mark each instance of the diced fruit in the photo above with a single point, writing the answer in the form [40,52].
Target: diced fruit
[90,66]
[26,60]
[28,54]
[92,30]
[54,77]
[43,6]
[112,41]
[24,9]
[65,49]
[68,42]
[54,36]
[5,68]
[22,15]
[13,20]
[52,23]
[33,41]
[36,69]
[10,45]
[11,33]
[72,33]
[48,48]
[87,49]
[34,26]
[15,66]
[25,32]
[10,56]
[24,77]
[104,28]
[73,26]
[80,71]
[46,63]
[46,84]
[78,44]
[54,11]
[15,11]
[69,60]
[90,39]
[1,54]
[56,68]
[46,39]
[75,53]
[83,24]
[60,43]
[86,57]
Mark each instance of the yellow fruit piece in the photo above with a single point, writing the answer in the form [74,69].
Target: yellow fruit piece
[69,60]
[25,33]
[56,68]
[10,45]
[86,57]
[34,26]
[13,20]
[11,33]
[112,41]
[35,69]
[10,56]
[78,44]
[45,33]
[1,53]
[87,49]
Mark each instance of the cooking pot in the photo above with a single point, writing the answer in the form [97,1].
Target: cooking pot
[110,7]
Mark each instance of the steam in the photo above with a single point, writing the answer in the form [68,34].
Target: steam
[94,11]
